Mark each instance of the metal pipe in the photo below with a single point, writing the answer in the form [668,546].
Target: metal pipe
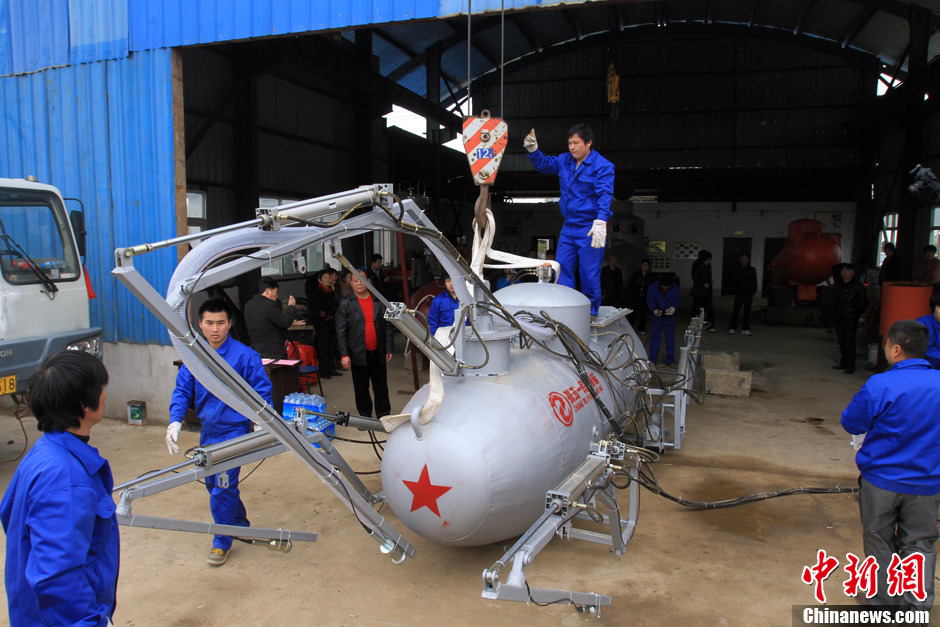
[500,564]
[323,205]
[140,249]
[150,475]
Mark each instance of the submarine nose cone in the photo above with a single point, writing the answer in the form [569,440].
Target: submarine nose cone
[438,486]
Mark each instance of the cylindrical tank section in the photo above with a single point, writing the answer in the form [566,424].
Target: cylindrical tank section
[903,301]
[478,472]
[808,256]
[563,304]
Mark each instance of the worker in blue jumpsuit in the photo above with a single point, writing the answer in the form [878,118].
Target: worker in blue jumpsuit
[219,421]
[62,548]
[662,299]
[899,460]
[932,322]
[441,313]
[587,187]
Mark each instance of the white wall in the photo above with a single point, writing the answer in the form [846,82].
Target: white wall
[140,372]
[710,223]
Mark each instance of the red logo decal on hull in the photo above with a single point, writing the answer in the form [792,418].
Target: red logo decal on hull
[562,408]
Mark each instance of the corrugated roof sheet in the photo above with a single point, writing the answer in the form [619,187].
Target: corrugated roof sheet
[161,23]
[97,30]
[37,36]
[103,132]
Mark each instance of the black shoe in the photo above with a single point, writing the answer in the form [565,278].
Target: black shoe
[323,375]
[838,367]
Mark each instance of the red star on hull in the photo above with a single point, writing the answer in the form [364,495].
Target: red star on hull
[424,493]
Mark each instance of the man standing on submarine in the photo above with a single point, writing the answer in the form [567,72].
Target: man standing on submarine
[586,180]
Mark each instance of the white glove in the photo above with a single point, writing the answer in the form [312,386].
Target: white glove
[529,143]
[670,311]
[657,312]
[172,435]
[598,234]
[256,427]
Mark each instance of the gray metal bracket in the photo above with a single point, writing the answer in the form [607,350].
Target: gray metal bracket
[674,401]
[206,461]
[574,498]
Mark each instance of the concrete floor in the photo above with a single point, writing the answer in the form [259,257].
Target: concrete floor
[739,566]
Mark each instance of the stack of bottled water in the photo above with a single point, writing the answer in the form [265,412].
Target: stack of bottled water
[297,403]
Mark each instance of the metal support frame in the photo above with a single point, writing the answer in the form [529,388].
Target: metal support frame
[387,213]
[212,460]
[674,401]
[575,498]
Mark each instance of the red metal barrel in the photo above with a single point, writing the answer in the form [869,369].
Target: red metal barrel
[903,300]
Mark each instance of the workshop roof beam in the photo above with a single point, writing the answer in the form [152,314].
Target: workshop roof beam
[531,40]
[807,11]
[404,49]
[858,27]
[572,23]
[455,39]
[754,7]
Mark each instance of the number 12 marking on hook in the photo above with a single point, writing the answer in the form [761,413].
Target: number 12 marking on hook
[485,153]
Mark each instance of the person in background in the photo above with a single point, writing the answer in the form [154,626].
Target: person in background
[927,268]
[899,460]
[321,308]
[637,289]
[376,273]
[702,289]
[267,322]
[612,283]
[891,266]
[663,303]
[219,421]
[63,547]
[345,284]
[744,286]
[441,313]
[932,322]
[586,180]
[849,303]
[504,280]
[365,346]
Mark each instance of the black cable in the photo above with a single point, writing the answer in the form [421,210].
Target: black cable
[336,437]
[579,608]
[653,486]
[19,413]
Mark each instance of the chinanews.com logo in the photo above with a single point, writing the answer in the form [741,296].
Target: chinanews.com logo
[904,587]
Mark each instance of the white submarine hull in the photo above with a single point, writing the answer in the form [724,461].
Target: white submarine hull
[479,471]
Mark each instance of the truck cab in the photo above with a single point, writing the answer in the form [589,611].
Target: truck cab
[43,293]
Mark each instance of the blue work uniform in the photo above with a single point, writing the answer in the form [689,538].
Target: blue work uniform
[898,409]
[899,462]
[63,547]
[219,423]
[586,194]
[662,325]
[441,313]
[933,350]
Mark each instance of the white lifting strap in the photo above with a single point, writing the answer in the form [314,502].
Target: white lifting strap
[482,249]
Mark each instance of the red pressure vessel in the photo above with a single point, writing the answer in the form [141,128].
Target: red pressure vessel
[808,256]
[902,300]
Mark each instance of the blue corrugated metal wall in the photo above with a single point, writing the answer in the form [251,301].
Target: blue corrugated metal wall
[97,30]
[158,23]
[103,132]
[101,129]
[39,34]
